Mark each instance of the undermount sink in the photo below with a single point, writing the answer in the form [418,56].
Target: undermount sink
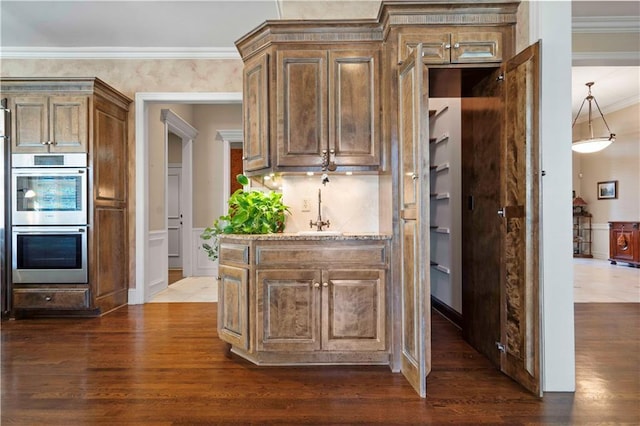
[319,233]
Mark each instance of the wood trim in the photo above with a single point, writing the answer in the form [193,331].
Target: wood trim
[447,312]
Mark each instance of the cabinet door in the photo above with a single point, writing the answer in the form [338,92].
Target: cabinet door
[256,114]
[476,46]
[354,107]
[68,123]
[622,245]
[56,123]
[288,310]
[301,107]
[353,310]
[233,311]
[435,45]
[30,123]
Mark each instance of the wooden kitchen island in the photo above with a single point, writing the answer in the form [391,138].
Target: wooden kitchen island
[289,299]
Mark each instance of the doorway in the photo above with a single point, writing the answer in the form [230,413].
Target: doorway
[143,244]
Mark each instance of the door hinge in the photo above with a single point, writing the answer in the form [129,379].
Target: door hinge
[544,173]
[501,347]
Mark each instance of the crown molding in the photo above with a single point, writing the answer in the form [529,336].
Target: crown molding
[605,58]
[119,53]
[605,24]
[234,135]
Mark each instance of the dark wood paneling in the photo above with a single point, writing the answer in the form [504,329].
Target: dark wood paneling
[482,115]
[108,264]
[109,152]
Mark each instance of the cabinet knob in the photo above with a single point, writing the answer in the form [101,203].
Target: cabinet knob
[456,46]
[316,285]
[447,46]
[47,298]
[325,284]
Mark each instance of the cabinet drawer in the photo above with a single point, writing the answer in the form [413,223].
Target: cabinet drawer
[234,253]
[51,298]
[321,254]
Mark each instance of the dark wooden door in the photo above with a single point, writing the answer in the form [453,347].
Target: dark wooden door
[413,145]
[482,123]
[520,186]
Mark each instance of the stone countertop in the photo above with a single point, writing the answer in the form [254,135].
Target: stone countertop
[292,236]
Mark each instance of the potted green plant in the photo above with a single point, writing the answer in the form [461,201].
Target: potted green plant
[250,212]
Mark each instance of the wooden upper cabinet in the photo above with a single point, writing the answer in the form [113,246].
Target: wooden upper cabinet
[354,107]
[453,46]
[49,124]
[256,114]
[328,103]
[301,107]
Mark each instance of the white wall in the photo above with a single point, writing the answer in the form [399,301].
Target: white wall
[620,162]
[551,22]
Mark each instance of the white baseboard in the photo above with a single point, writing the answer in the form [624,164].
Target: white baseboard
[157,274]
[202,265]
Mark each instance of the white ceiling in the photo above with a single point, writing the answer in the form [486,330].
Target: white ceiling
[214,25]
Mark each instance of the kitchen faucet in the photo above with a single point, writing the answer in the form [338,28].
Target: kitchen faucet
[319,223]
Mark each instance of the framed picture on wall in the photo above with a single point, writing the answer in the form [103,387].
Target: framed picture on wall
[608,190]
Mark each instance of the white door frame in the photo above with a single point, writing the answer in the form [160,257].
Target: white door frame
[177,125]
[137,295]
[229,139]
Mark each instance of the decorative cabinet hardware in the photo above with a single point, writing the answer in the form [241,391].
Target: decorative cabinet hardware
[452,45]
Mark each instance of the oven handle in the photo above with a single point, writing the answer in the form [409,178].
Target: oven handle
[50,230]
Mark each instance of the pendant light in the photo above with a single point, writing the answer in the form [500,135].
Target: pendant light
[592,144]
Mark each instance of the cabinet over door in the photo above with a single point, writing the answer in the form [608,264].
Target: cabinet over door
[233,315]
[288,310]
[413,142]
[354,107]
[301,107]
[256,114]
[520,187]
[476,46]
[444,46]
[353,310]
[435,46]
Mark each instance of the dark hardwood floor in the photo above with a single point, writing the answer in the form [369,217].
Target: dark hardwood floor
[162,364]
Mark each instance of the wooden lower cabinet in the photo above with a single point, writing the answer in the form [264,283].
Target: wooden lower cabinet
[233,324]
[310,310]
[624,243]
[293,312]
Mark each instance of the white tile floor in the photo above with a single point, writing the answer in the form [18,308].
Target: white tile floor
[595,281]
[190,289]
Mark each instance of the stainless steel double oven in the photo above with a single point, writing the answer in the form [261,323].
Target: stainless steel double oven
[49,218]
